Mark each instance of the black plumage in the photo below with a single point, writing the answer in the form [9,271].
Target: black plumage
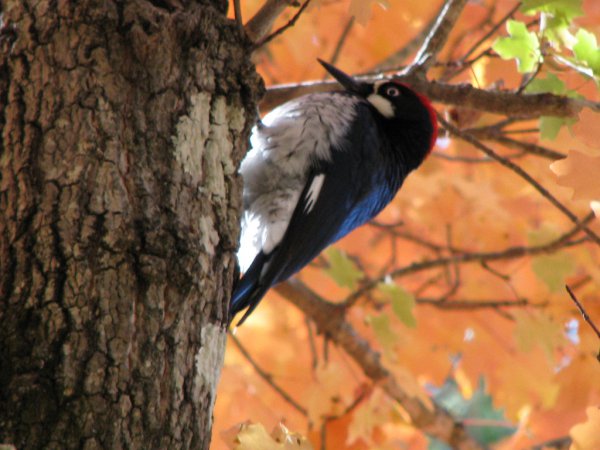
[319,167]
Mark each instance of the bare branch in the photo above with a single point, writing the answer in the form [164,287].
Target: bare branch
[258,27]
[267,377]
[280,30]
[465,95]
[462,63]
[461,257]
[528,147]
[394,61]
[473,304]
[585,315]
[351,407]
[519,171]
[561,443]
[436,40]
[340,43]
[329,318]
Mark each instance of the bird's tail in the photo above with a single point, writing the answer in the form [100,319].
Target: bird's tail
[249,290]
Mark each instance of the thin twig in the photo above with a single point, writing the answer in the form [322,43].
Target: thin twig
[340,43]
[561,443]
[438,36]
[462,257]
[351,407]
[474,304]
[473,160]
[584,313]
[311,344]
[268,377]
[529,147]
[519,171]
[260,24]
[394,61]
[528,78]
[283,28]
[463,63]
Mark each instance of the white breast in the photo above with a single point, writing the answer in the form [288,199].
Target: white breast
[275,170]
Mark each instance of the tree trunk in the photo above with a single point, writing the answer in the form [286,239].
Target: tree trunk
[123,123]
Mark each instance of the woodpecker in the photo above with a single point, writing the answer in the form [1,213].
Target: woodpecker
[320,166]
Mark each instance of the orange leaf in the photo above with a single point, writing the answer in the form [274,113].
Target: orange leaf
[586,435]
[580,172]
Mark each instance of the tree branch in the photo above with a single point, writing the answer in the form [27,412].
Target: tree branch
[329,319]
[585,315]
[394,61]
[281,29]
[436,40]
[260,24]
[467,257]
[519,171]
[340,43]
[267,377]
[465,95]
[473,304]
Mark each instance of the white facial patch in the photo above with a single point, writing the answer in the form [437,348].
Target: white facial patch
[313,192]
[381,104]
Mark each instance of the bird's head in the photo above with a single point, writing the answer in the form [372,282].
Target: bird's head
[394,101]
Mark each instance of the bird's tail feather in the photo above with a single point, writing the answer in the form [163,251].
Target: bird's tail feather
[248,291]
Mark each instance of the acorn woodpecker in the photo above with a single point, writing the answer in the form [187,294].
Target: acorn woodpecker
[320,166]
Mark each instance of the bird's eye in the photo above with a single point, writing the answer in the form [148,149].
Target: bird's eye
[392,91]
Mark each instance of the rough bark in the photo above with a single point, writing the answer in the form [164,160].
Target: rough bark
[122,126]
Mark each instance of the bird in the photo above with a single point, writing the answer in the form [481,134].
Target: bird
[320,166]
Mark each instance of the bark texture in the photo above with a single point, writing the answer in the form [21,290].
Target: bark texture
[122,126]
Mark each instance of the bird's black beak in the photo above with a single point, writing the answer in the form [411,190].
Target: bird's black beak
[349,83]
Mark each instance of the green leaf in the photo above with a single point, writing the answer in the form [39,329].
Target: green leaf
[553,269]
[586,50]
[481,407]
[522,45]
[383,332]
[435,444]
[558,15]
[567,9]
[543,235]
[402,302]
[550,126]
[485,424]
[551,84]
[342,269]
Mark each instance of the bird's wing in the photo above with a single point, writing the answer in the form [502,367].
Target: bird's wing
[339,196]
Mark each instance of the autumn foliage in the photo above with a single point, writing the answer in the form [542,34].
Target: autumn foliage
[459,284]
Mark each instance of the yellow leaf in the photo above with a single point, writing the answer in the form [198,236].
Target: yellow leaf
[580,172]
[325,396]
[375,412]
[586,435]
[253,436]
[534,327]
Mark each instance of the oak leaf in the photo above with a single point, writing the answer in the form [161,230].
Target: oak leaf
[585,435]
[580,172]
[253,436]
